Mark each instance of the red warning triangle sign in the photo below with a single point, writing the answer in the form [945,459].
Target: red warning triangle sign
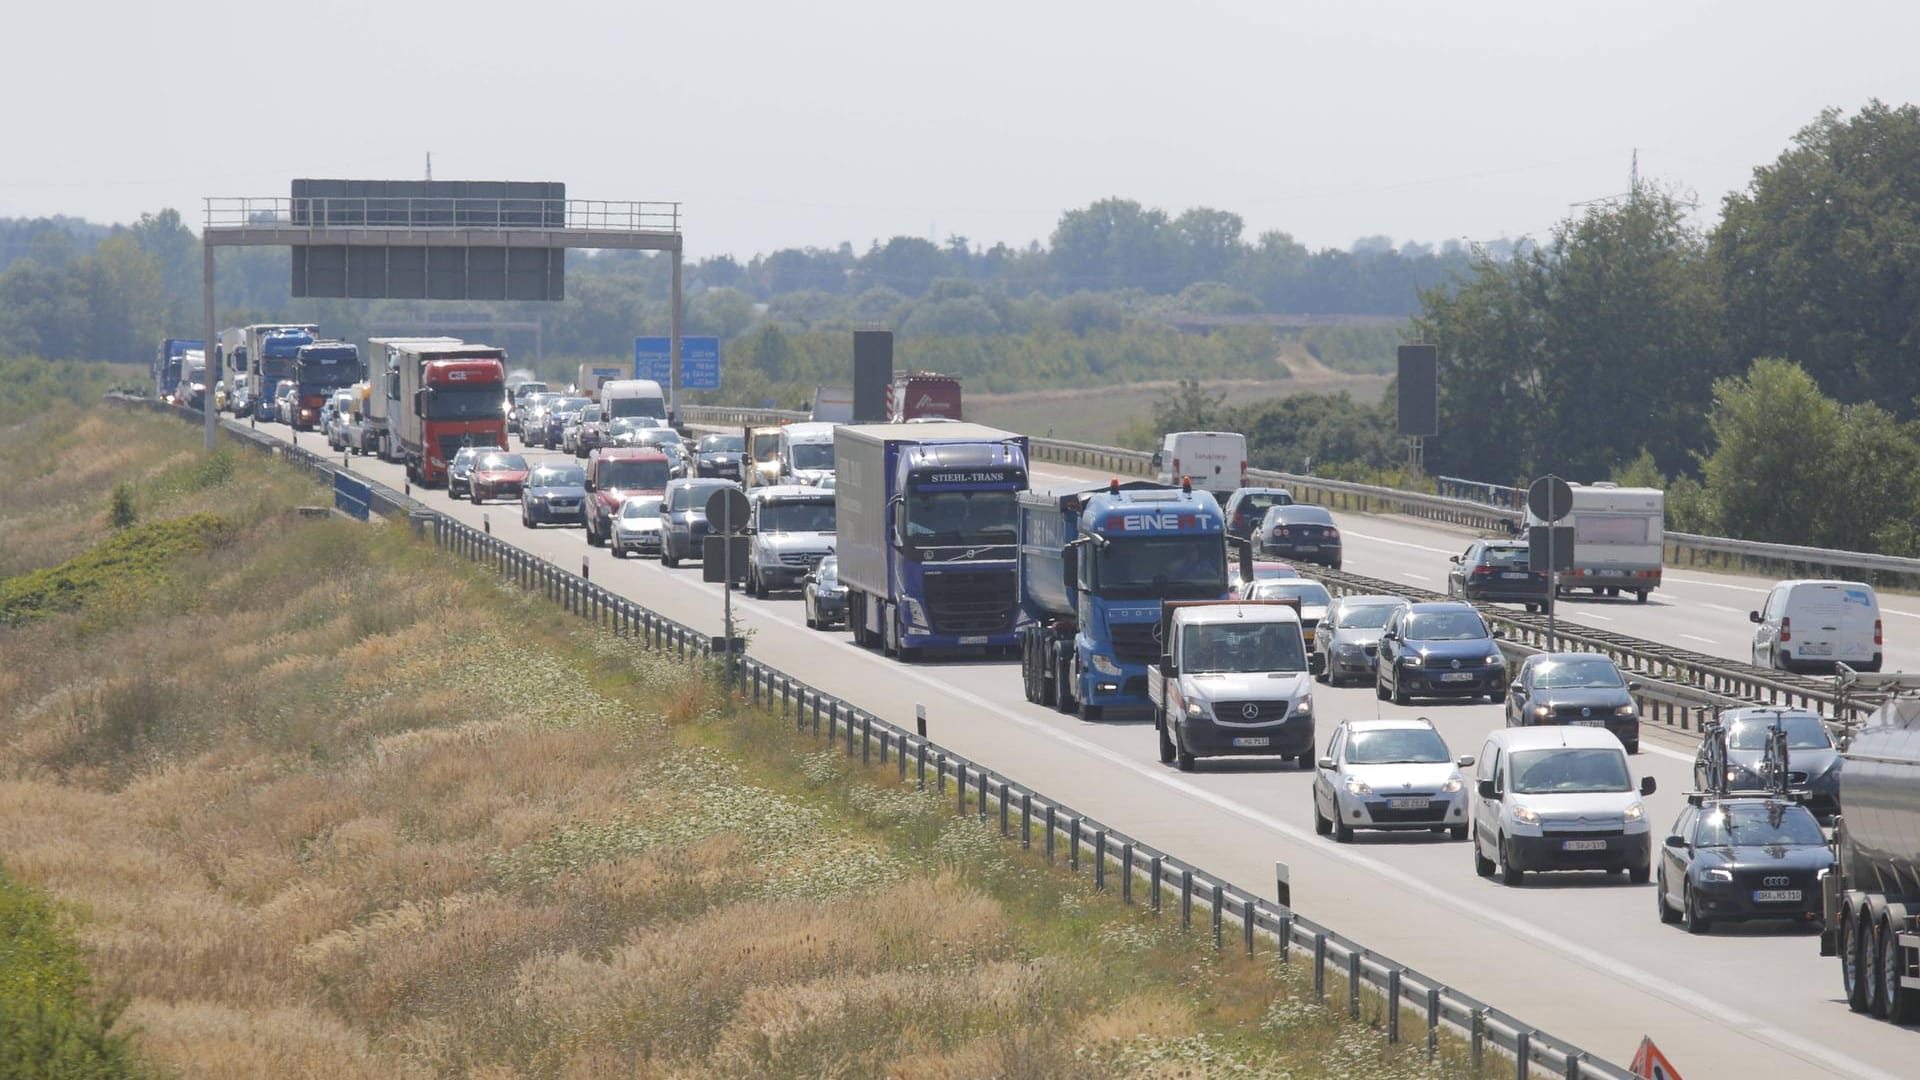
[1650,1063]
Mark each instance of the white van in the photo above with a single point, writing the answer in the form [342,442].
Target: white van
[632,397]
[1216,460]
[1811,625]
[806,453]
[1558,798]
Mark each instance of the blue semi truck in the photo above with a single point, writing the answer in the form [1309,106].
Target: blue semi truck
[1095,566]
[925,534]
[166,363]
[318,370]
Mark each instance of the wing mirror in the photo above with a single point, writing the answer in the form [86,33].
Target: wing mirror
[1753,616]
[1464,761]
[1326,763]
[1676,841]
[1486,790]
[1647,785]
[1633,687]
[1454,559]
[1499,634]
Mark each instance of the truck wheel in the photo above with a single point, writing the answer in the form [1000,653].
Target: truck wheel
[1852,943]
[1046,691]
[1902,1004]
[1166,741]
[1063,686]
[1092,714]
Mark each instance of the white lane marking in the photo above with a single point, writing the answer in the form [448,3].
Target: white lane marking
[1401,543]
[1649,748]
[1723,607]
[1697,637]
[1415,577]
[1665,577]
[1590,615]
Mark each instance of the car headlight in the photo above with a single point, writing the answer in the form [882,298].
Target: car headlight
[1495,658]
[1525,815]
[1453,785]
[1541,712]
[1104,664]
[1634,811]
[1624,710]
[1357,786]
[1304,708]
[1195,709]
[1733,773]
[1717,873]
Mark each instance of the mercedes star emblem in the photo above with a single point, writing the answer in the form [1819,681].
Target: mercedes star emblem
[1250,710]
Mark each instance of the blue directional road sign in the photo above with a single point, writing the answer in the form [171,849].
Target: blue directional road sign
[699,361]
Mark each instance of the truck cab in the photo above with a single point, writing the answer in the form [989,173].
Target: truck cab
[805,453]
[1232,678]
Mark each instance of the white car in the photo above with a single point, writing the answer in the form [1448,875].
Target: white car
[1811,625]
[636,529]
[1559,798]
[1389,774]
[1314,601]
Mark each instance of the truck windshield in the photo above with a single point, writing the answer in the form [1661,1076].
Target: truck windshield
[811,455]
[1570,770]
[636,406]
[465,403]
[766,447]
[960,518]
[1243,646]
[1168,567]
[325,375]
[796,517]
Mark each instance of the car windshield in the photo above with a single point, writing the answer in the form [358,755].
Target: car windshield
[722,444]
[1445,626]
[810,516]
[1804,732]
[1365,616]
[503,462]
[960,518]
[659,437]
[466,455]
[1167,567]
[811,455]
[567,405]
[1309,593]
[1243,646]
[465,403]
[1396,746]
[633,474]
[829,573]
[1759,825]
[1506,558]
[637,406]
[1569,770]
[558,476]
[640,508]
[694,496]
[1598,672]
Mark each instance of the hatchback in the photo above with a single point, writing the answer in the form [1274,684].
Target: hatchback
[1389,774]
[1441,649]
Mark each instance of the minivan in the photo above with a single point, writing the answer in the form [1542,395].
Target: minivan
[1812,625]
[1558,798]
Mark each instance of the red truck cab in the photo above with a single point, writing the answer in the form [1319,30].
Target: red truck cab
[461,403]
[613,474]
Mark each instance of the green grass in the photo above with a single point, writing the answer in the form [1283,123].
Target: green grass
[124,567]
[31,386]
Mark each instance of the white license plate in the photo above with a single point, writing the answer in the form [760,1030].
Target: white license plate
[1407,804]
[1816,650]
[1306,547]
[970,640]
[1766,896]
[1583,845]
[1514,577]
[1588,723]
[1252,740]
[1457,676]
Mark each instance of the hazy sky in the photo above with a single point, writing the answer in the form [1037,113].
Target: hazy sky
[781,124]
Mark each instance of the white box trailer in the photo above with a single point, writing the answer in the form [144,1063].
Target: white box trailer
[1619,539]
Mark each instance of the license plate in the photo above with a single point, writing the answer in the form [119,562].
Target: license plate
[1407,804]
[1588,723]
[980,640]
[1766,896]
[1253,740]
[1457,676]
[1816,650]
[1513,577]
[1306,547]
[1583,845]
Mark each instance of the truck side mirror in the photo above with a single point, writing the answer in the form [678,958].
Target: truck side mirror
[420,402]
[1070,568]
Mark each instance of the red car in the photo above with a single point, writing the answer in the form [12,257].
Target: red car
[497,475]
[1264,569]
[613,474]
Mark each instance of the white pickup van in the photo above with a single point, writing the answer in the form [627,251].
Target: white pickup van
[1811,625]
[1216,460]
[1559,798]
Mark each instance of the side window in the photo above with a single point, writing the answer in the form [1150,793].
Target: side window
[1489,760]
[1685,826]
[1776,600]
[1472,557]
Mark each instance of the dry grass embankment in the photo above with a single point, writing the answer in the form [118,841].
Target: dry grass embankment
[324,803]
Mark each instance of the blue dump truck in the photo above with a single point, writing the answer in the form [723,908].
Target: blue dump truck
[1095,565]
[318,370]
[925,533]
[166,363]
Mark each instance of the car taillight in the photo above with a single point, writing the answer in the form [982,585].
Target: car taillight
[1482,571]
[1876,631]
[1331,534]
[1786,628]
[1176,466]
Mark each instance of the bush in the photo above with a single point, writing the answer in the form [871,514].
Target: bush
[121,513]
[49,1024]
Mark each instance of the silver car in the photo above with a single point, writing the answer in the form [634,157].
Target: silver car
[1389,774]
[636,529]
[1348,638]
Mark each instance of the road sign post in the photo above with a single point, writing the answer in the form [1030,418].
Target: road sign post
[1550,499]
[728,507]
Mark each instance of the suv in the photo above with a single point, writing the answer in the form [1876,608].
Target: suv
[790,529]
[1389,774]
[1497,570]
[1248,507]
[1301,534]
[683,517]
[614,474]
[1582,689]
[1439,649]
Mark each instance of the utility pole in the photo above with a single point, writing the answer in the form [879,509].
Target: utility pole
[429,164]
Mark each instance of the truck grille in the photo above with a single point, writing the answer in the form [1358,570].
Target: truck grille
[971,602]
[1133,642]
[1264,712]
[451,444]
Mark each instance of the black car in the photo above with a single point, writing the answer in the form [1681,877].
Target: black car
[1248,507]
[1438,649]
[1731,858]
[1497,570]
[1580,689]
[822,596]
[1301,534]
[460,470]
[719,455]
[1813,762]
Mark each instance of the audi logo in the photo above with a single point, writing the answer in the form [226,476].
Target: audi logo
[1250,710]
[1775,881]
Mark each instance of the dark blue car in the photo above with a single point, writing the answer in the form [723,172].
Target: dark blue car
[554,493]
[1741,857]
[1442,649]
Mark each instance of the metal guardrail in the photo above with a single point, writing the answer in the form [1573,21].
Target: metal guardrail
[414,214]
[1112,857]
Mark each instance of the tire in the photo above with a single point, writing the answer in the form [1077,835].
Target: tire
[1690,917]
[619,552]
[1342,832]
[1855,977]
[526,520]
[1639,874]
[1640,596]
[1633,747]
[1304,762]
[1509,873]
[1321,826]
[667,558]
[1899,1004]
[1182,758]
[1167,749]
[806,613]
[1400,696]
[1482,865]
[1063,686]
[473,495]
[1667,914]
[1092,714]
[1456,832]
[1379,688]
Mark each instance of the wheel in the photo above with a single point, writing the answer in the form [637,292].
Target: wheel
[1639,874]
[753,586]
[1321,826]
[1509,873]
[526,519]
[1640,596]
[1690,916]
[1379,688]
[1456,832]
[1531,608]
[1633,747]
[619,552]
[667,558]
[1092,714]
[1167,749]
[450,495]
[1304,761]
[1400,696]
[473,494]
[1182,757]
[1481,864]
[1342,832]
[1047,689]
[1902,1005]
[1667,914]
[806,610]
[1853,959]
[1063,685]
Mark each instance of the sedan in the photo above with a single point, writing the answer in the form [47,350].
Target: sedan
[1497,570]
[822,596]
[460,470]
[1302,533]
[1263,570]
[1583,689]
[1348,639]
[636,529]
[497,475]
[1732,859]
[555,492]
[1389,774]
[1442,649]
[719,455]
[1813,764]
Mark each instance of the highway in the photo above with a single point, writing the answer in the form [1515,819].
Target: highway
[1582,956]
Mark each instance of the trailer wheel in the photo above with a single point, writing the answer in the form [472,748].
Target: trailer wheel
[1897,1003]
[1850,937]
[1042,678]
